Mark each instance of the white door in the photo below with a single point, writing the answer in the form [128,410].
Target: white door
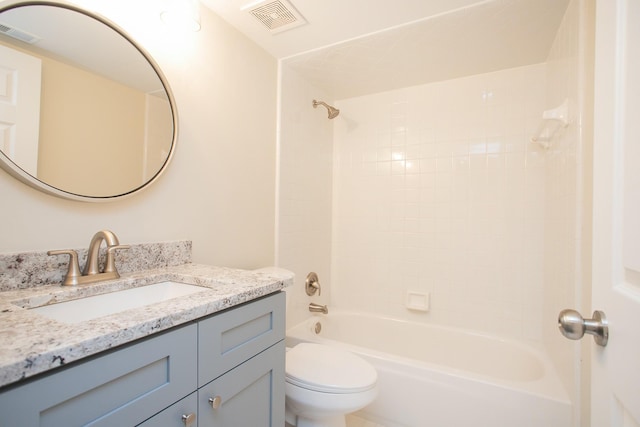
[20,108]
[615,385]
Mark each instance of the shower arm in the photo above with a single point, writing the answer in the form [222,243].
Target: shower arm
[316,103]
[332,111]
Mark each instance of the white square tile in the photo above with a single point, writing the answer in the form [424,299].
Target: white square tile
[455,183]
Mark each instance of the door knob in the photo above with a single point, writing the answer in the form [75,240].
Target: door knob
[573,326]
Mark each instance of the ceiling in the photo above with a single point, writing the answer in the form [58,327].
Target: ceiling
[330,21]
[77,39]
[350,48]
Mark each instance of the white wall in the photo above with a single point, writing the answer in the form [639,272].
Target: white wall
[219,190]
[305,171]
[438,190]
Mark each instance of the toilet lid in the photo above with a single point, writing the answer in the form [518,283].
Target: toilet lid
[327,369]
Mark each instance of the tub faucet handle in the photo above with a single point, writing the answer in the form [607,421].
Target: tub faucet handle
[311,285]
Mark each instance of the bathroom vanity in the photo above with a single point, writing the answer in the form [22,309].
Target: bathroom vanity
[214,358]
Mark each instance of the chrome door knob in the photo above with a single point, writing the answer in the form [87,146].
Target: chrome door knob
[573,326]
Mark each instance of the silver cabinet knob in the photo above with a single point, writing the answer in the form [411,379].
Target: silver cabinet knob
[215,402]
[189,419]
[573,326]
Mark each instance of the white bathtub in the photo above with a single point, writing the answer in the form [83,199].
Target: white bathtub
[432,376]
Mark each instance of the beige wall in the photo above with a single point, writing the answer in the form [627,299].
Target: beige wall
[92,105]
[219,189]
[70,116]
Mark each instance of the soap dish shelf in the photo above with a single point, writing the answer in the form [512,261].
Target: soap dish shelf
[553,121]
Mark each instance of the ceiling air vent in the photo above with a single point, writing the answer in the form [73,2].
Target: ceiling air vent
[276,15]
[17,34]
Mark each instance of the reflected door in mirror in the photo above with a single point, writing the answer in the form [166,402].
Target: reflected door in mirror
[20,77]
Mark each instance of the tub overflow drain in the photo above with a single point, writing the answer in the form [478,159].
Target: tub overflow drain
[318,327]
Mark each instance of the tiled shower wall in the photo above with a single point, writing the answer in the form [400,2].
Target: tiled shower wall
[438,190]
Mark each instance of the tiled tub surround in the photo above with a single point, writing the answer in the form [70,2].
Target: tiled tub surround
[438,190]
[32,344]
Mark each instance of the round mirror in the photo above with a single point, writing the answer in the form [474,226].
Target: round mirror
[85,113]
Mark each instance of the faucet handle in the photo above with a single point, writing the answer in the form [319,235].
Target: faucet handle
[110,265]
[311,284]
[73,273]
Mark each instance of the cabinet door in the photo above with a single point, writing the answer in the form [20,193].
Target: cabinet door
[180,414]
[122,388]
[251,395]
[228,339]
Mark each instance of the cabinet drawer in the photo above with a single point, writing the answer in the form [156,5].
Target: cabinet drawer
[173,415]
[118,389]
[250,395]
[230,338]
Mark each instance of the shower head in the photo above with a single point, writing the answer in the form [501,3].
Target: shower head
[333,112]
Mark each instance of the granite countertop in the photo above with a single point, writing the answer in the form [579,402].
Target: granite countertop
[32,343]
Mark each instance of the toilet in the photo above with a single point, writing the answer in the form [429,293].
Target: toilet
[325,383]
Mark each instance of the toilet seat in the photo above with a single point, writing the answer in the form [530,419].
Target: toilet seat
[327,369]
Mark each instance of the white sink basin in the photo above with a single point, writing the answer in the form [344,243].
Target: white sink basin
[83,309]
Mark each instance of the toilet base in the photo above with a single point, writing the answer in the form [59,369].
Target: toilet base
[331,421]
[325,422]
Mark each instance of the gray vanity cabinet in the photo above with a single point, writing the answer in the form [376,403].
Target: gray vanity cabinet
[230,338]
[241,366]
[224,370]
[121,388]
[249,395]
[181,414]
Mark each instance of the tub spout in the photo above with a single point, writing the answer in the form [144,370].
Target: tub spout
[317,308]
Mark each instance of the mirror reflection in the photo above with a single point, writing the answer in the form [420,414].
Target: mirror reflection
[83,112]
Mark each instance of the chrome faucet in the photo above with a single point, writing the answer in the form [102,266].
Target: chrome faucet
[91,272]
[317,308]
